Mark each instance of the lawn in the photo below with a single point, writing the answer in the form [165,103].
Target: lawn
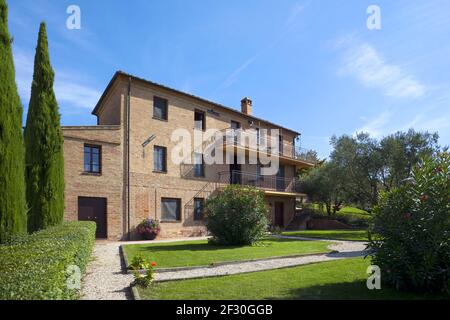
[355,235]
[200,253]
[342,279]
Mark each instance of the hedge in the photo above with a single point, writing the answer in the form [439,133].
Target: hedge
[34,267]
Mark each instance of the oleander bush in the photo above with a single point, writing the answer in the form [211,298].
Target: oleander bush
[237,216]
[35,267]
[412,229]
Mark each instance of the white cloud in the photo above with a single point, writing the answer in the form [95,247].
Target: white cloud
[367,65]
[75,94]
[68,89]
[424,123]
[296,10]
[235,74]
[376,126]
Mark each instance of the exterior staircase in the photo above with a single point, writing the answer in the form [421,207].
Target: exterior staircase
[299,222]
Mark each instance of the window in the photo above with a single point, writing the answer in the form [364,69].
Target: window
[160,159]
[92,159]
[200,120]
[235,126]
[280,144]
[259,176]
[160,108]
[170,209]
[258,136]
[199,204]
[199,166]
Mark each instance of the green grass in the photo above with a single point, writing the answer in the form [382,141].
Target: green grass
[355,235]
[344,210]
[343,279]
[352,216]
[200,253]
[353,210]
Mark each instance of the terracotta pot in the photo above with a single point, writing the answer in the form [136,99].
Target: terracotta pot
[149,235]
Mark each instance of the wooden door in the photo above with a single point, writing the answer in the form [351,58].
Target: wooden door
[279,214]
[94,209]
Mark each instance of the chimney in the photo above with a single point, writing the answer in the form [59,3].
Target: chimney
[246,106]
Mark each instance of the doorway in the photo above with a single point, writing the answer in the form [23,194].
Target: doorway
[279,214]
[235,171]
[94,209]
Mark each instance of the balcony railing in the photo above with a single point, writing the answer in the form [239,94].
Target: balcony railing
[268,144]
[272,183]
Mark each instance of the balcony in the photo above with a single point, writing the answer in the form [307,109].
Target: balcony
[266,183]
[268,145]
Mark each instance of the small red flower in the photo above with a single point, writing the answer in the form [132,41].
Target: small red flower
[408,216]
[153,264]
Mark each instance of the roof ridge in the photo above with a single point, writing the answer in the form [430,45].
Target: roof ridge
[123,73]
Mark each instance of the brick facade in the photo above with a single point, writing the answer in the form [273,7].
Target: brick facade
[147,187]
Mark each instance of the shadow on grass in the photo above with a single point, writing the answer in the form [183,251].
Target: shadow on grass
[356,290]
[341,236]
[210,247]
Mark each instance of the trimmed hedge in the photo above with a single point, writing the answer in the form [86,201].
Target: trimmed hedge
[34,267]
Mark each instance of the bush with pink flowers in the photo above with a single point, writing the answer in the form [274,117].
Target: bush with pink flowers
[149,229]
[410,233]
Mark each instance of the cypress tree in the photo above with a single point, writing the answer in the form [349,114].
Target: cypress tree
[13,216]
[44,159]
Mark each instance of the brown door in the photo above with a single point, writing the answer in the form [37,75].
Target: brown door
[279,214]
[93,209]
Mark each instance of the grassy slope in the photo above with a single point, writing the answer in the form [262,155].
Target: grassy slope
[344,210]
[343,279]
[198,253]
[356,235]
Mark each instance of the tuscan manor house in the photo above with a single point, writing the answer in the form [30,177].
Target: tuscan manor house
[120,172]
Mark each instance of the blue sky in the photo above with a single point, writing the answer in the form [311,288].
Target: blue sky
[312,66]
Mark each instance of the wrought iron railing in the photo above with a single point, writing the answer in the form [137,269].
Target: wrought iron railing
[268,144]
[270,183]
[273,183]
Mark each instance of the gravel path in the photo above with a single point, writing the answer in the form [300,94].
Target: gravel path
[106,277]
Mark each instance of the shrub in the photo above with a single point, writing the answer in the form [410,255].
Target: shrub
[34,267]
[149,229]
[145,280]
[237,216]
[139,263]
[412,228]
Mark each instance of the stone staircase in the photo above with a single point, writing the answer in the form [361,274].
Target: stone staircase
[299,222]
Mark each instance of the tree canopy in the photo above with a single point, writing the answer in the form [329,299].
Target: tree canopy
[360,167]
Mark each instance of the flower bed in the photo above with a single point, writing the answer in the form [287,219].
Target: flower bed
[35,267]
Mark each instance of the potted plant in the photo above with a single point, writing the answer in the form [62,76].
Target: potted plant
[149,229]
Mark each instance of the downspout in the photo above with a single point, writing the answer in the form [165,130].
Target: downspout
[128,159]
